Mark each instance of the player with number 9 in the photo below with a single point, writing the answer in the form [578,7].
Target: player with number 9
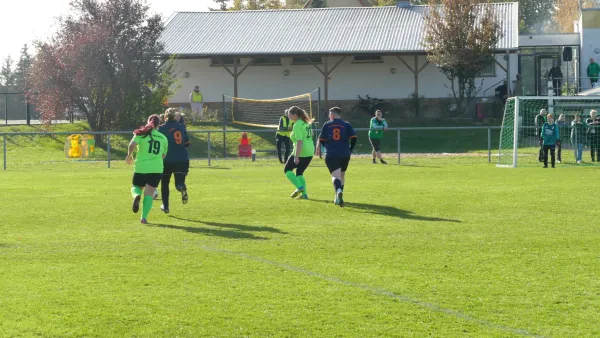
[177,162]
[151,147]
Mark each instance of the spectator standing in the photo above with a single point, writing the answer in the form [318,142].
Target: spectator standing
[578,137]
[196,103]
[593,124]
[555,74]
[593,70]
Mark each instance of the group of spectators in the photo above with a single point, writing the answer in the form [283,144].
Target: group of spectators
[555,75]
[582,133]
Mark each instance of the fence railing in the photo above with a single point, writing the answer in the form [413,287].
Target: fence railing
[423,139]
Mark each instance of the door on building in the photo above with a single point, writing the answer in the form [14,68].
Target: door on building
[544,64]
[528,75]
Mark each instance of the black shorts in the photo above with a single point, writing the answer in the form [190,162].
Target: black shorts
[375,143]
[176,168]
[334,163]
[141,180]
[300,167]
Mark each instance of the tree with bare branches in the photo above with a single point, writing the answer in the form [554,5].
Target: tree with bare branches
[460,38]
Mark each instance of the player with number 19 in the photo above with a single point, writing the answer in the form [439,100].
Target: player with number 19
[303,152]
[177,162]
[151,147]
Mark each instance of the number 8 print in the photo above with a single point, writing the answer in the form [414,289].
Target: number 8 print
[336,134]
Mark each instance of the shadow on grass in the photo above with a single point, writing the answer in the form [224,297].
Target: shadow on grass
[388,211]
[211,167]
[211,232]
[239,227]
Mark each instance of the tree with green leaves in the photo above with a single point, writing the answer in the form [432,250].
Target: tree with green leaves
[318,4]
[6,74]
[294,4]
[378,3]
[460,38]
[238,5]
[23,68]
[222,4]
[103,62]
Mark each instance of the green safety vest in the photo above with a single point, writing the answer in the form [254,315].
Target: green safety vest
[286,123]
[196,97]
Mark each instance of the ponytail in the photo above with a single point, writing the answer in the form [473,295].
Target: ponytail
[153,122]
[301,114]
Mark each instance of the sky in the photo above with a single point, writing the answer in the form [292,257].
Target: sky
[24,21]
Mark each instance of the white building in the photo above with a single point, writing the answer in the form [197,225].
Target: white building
[346,51]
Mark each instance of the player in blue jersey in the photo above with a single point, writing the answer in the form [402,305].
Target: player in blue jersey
[339,138]
[177,162]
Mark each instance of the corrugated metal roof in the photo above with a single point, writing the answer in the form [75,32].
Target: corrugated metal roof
[349,30]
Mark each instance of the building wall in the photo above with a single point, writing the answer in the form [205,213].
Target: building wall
[590,41]
[347,81]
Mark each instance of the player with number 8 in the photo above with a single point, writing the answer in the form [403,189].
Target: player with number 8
[339,138]
[151,147]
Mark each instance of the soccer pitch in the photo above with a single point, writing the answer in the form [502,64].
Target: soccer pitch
[445,246]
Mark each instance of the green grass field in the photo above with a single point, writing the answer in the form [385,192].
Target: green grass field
[445,247]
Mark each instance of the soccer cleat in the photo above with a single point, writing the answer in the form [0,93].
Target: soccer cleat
[184,196]
[165,210]
[558,161]
[143,221]
[374,162]
[303,197]
[383,162]
[136,204]
[297,192]
[339,196]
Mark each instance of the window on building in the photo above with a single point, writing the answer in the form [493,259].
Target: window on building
[489,70]
[306,60]
[266,60]
[226,60]
[367,59]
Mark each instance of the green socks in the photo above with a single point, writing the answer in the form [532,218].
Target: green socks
[302,182]
[135,191]
[292,177]
[146,206]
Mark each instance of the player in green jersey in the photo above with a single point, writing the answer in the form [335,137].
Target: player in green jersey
[151,147]
[303,152]
[376,129]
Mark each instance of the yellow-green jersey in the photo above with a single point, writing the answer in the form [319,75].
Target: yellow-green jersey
[150,151]
[302,131]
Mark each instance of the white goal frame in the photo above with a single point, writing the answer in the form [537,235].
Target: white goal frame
[552,100]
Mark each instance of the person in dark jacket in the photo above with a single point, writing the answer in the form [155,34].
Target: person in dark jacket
[578,137]
[555,74]
[593,132]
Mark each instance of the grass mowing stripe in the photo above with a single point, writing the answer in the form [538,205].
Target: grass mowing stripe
[378,291]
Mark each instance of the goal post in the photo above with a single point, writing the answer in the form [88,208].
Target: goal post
[520,136]
[266,112]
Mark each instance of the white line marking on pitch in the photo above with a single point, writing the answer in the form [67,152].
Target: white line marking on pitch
[381,292]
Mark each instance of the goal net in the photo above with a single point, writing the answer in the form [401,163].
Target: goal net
[520,136]
[266,112]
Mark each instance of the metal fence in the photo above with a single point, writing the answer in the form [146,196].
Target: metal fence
[29,148]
